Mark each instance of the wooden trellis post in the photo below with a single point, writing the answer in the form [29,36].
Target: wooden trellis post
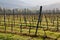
[45,36]
[8,17]
[12,24]
[32,18]
[53,19]
[14,17]
[25,17]
[53,22]
[17,16]
[20,25]
[39,20]
[25,20]
[5,20]
[0,20]
[11,27]
[30,28]
[57,24]
[46,22]
[21,28]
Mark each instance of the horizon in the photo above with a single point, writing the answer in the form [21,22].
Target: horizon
[26,3]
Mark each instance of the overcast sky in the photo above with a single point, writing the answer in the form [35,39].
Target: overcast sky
[27,2]
[41,2]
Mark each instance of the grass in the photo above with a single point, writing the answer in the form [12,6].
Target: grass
[4,36]
[16,28]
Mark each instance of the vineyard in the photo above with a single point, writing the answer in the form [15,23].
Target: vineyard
[30,27]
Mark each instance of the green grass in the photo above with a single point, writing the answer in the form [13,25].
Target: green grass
[6,36]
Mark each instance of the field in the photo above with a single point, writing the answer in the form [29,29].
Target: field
[23,27]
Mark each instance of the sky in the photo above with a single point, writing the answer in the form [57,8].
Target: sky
[26,3]
[41,2]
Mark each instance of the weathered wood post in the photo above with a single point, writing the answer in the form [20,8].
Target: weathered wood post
[5,20]
[39,20]
[0,20]
[20,25]
[57,24]
[53,22]
[17,16]
[25,21]
[12,25]
[8,17]
[11,28]
[30,28]
[21,28]
[14,17]
[45,36]
[46,22]
[32,18]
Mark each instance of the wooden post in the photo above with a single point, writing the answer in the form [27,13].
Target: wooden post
[12,24]
[30,28]
[8,17]
[25,21]
[39,20]
[46,22]
[0,20]
[57,24]
[20,25]
[4,20]
[12,28]
[32,18]
[21,28]
[17,16]
[14,17]
[53,22]
[25,17]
